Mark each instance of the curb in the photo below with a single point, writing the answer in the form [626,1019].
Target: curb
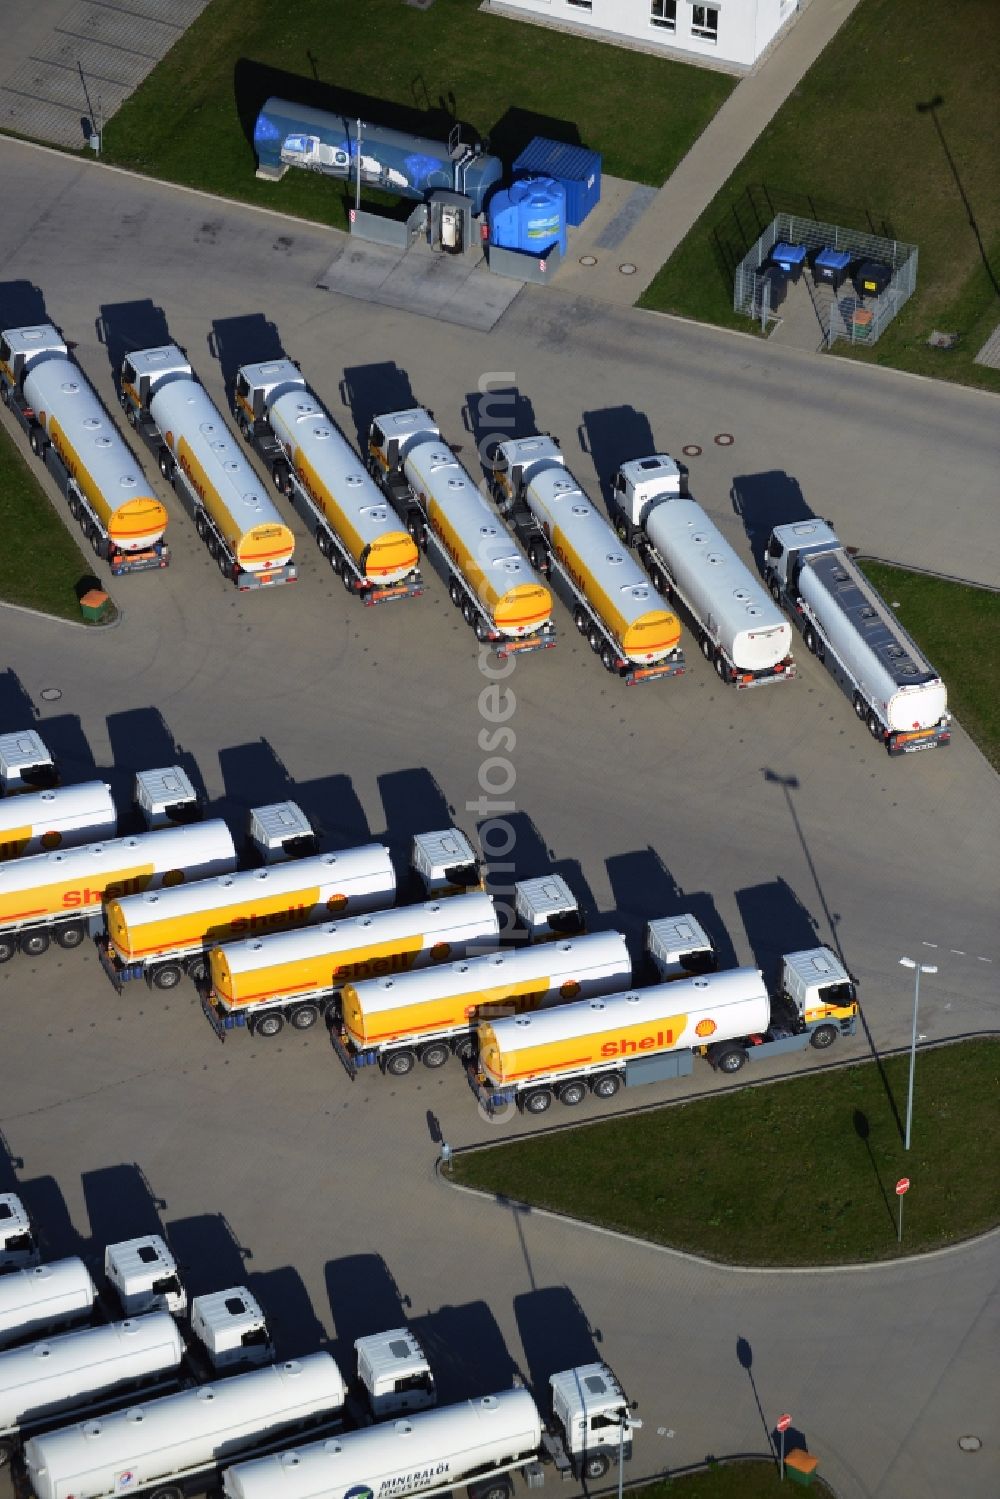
[56,619]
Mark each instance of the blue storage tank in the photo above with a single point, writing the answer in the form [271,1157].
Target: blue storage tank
[530,216]
[576,167]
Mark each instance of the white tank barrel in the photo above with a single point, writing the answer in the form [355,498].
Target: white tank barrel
[430,1450]
[44,1296]
[67,1371]
[177,1434]
[60,818]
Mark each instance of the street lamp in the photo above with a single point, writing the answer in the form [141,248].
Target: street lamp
[626,1422]
[918,969]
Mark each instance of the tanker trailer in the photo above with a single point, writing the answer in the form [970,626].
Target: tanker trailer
[42,1297]
[62,818]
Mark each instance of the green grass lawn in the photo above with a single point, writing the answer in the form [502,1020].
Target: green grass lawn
[849,147]
[393,64]
[959,628]
[40,563]
[799,1172]
[725,1481]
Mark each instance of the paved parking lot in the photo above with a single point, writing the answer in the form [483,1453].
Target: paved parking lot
[772,815]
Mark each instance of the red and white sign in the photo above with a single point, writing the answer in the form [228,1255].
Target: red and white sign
[783,1423]
[902,1186]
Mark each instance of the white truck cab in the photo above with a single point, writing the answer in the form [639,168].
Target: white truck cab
[789,544]
[394,1372]
[680,946]
[279,832]
[640,484]
[547,907]
[165,798]
[25,764]
[232,1328]
[258,384]
[593,1417]
[143,1275]
[144,371]
[445,862]
[817,983]
[18,1245]
[393,435]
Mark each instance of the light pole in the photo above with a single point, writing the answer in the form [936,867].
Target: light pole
[918,969]
[626,1422]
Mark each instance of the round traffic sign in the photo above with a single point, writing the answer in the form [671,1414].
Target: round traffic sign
[783,1423]
[902,1186]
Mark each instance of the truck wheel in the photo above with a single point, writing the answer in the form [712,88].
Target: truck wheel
[774,588]
[809,636]
[874,727]
[606,1085]
[608,658]
[436,1054]
[465,1049]
[823,1036]
[722,669]
[70,935]
[168,1491]
[400,1063]
[491,1488]
[455,592]
[212,542]
[623,531]
[537,556]
[33,944]
[167,976]
[594,637]
[572,1093]
[225,567]
[468,612]
[595,1465]
[580,620]
[659,582]
[39,442]
[74,508]
[166,465]
[860,706]
[537,1100]
[131,415]
[323,541]
[197,969]
[6,1448]
[347,577]
[732,1060]
[707,648]
[482,630]
[279,476]
[304,1017]
[201,525]
[8,947]
[271,1023]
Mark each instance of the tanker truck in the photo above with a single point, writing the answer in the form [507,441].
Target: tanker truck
[311,462]
[740,631]
[847,624]
[60,895]
[624,620]
[167,1444]
[651,1035]
[298,976]
[61,818]
[40,1297]
[18,1241]
[69,430]
[489,578]
[479,1444]
[25,764]
[171,411]
[162,934]
[390,1022]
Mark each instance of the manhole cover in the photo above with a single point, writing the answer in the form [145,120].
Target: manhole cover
[50,694]
[724,440]
[588,259]
[692,450]
[627,268]
[970,1443]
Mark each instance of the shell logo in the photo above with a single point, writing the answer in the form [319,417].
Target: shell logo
[569,990]
[705,1028]
[337,903]
[440,951]
[173,877]
[51,840]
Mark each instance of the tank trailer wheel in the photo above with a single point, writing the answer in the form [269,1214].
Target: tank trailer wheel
[70,935]
[279,476]
[580,620]
[8,947]
[167,977]
[774,588]
[436,1054]
[6,1448]
[823,1036]
[346,578]
[33,944]
[271,1023]
[606,1085]
[608,659]
[223,562]
[197,969]
[572,1093]
[168,1491]
[131,415]
[166,465]
[659,582]
[537,1101]
[455,593]
[594,636]
[860,707]
[874,727]
[304,1017]
[465,1049]
[39,442]
[400,1063]
[724,674]
[468,613]
[707,648]
[482,630]
[811,643]
[323,541]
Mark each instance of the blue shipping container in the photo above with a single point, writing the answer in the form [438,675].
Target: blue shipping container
[576,167]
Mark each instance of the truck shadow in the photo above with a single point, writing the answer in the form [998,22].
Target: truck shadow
[466,1351]
[62,733]
[254,775]
[141,740]
[527,856]
[644,889]
[235,341]
[413,802]
[556,1334]
[22,304]
[370,390]
[612,437]
[496,415]
[364,1299]
[125,327]
[776,922]
[763,501]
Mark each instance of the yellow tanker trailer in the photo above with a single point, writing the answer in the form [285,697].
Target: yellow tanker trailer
[69,430]
[58,894]
[233,513]
[60,818]
[296,976]
[391,1021]
[162,934]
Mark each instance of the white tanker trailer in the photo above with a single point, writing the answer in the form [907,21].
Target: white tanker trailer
[162,934]
[625,621]
[490,579]
[478,1443]
[297,976]
[58,894]
[311,461]
[233,513]
[846,623]
[44,1296]
[162,1444]
[78,1370]
[70,431]
[741,631]
[391,1021]
[60,818]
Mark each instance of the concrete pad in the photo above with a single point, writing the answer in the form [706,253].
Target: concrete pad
[454,289]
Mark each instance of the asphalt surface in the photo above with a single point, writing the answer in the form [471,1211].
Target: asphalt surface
[772,815]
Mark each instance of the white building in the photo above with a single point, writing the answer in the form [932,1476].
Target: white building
[730,32]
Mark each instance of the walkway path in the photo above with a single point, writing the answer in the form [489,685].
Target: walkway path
[717,151]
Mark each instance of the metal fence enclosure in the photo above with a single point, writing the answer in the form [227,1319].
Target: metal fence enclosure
[752,286]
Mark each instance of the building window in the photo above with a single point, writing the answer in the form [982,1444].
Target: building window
[663,13]
[705,22]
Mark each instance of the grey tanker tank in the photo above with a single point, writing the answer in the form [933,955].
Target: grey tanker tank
[44,1296]
[59,818]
